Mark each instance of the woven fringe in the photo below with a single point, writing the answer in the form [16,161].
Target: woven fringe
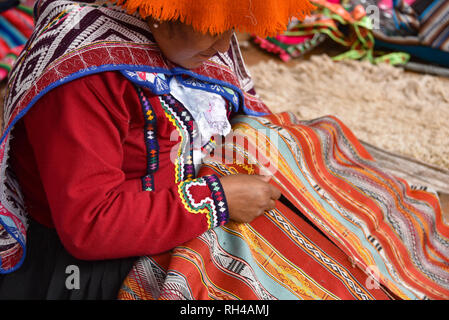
[261,17]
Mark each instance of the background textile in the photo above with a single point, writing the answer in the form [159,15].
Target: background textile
[349,26]
[16,26]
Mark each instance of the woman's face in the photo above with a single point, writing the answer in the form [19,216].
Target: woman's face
[184,46]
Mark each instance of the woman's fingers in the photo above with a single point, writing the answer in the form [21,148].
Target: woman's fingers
[249,196]
[272,205]
[275,192]
[264,178]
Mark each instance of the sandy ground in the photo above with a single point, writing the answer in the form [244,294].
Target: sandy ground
[398,111]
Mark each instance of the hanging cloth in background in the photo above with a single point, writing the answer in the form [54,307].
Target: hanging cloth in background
[349,26]
[417,27]
[16,26]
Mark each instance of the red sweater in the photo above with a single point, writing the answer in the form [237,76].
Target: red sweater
[80,154]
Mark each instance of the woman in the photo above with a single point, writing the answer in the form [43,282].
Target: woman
[114,138]
[113,108]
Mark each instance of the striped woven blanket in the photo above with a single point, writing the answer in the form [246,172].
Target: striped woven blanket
[343,229]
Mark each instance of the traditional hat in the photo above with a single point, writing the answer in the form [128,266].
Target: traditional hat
[260,17]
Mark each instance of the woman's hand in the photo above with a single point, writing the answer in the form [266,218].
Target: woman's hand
[248,196]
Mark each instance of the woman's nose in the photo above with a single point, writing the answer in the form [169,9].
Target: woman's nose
[223,42]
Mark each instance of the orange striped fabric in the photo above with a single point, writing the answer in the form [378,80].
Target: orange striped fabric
[344,228]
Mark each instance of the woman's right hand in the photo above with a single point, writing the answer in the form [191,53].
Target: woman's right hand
[248,196]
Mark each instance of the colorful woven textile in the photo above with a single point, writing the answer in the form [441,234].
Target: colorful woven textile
[422,22]
[286,47]
[419,27]
[350,27]
[16,26]
[362,222]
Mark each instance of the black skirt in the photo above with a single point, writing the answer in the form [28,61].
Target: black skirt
[49,272]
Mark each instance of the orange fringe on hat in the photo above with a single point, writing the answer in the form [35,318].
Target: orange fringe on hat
[261,17]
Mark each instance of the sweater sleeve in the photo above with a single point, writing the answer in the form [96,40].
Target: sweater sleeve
[77,132]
